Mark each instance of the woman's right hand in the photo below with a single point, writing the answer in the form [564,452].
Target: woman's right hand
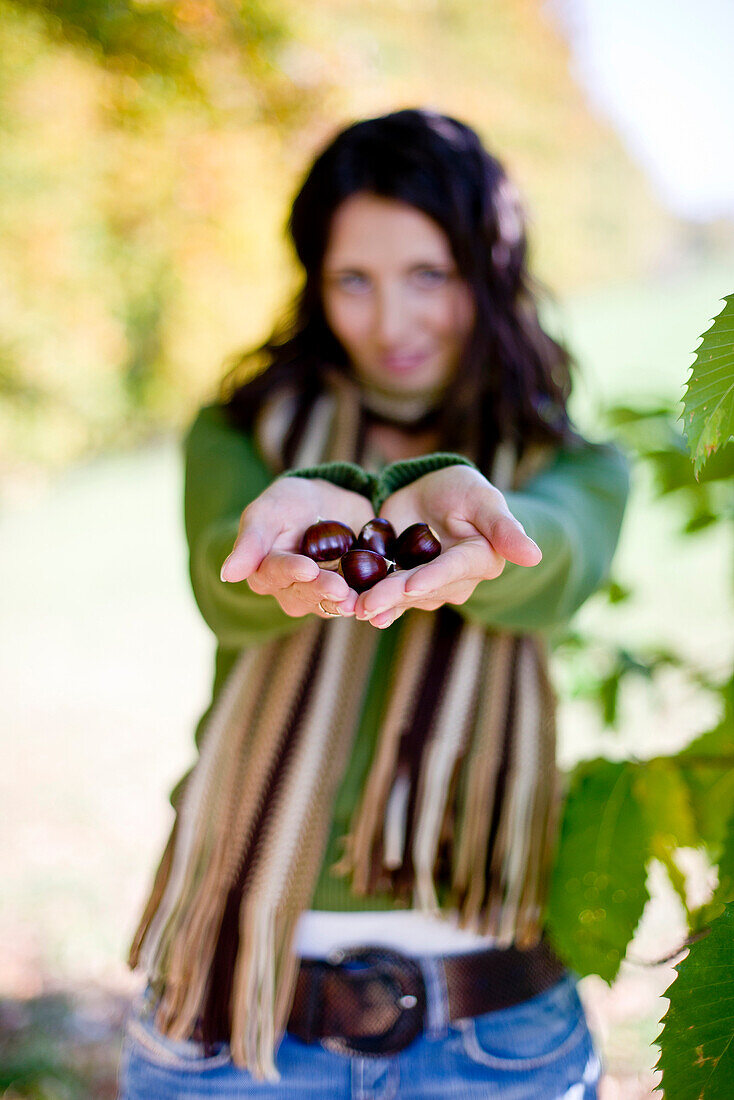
[265,553]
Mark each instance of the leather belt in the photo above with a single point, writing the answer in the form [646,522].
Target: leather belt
[373,1000]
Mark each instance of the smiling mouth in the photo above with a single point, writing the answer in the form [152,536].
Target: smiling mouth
[403,362]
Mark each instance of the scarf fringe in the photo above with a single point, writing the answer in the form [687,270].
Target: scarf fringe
[522,790]
[284,671]
[452,722]
[483,763]
[411,653]
[192,814]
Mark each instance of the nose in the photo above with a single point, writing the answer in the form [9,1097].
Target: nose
[391,318]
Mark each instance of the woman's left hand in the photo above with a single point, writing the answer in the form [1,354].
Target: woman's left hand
[478,535]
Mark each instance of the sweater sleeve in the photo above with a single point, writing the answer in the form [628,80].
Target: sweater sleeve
[378,487]
[573,509]
[223,474]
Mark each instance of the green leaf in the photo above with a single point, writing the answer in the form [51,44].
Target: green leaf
[725,890]
[708,404]
[697,1040]
[707,766]
[609,697]
[720,466]
[614,591]
[598,887]
[719,741]
[698,521]
[675,875]
[664,797]
[629,414]
[711,789]
[724,893]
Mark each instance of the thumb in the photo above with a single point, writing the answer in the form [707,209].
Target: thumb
[507,536]
[251,546]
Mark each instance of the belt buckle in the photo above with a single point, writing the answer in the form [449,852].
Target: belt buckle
[404,978]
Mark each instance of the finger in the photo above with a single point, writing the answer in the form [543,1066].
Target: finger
[292,604]
[505,534]
[296,606]
[428,605]
[327,609]
[384,597]
[296,603]
[327,586]
[386,619]
[457,593]
[250,548]
[280,569]
[386,594]
[468,559]
[454,594]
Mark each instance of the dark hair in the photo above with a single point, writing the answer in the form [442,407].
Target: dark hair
[512,374]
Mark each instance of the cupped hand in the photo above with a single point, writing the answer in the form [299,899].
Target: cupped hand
[478,536]
[265,553]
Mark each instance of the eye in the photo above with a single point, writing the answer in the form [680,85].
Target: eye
[431,276]
[352,280]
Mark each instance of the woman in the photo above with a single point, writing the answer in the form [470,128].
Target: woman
[352,898]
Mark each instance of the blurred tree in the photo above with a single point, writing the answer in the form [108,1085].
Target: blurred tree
[150,151]
[172,42]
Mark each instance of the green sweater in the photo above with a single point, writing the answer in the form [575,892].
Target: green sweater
[573,509]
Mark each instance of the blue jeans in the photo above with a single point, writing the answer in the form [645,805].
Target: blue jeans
[540,1049]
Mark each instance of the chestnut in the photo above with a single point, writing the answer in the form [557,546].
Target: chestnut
[362,569]
[416,545]
[326,541]
[377,535]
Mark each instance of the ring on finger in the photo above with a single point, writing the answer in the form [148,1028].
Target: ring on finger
[336,614]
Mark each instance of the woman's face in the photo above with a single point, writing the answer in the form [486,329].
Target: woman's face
[393,296]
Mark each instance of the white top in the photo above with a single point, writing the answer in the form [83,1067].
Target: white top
[320,932]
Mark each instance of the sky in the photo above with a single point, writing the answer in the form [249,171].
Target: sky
[662,71]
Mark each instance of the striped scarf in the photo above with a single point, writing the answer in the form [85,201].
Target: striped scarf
[462,789]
